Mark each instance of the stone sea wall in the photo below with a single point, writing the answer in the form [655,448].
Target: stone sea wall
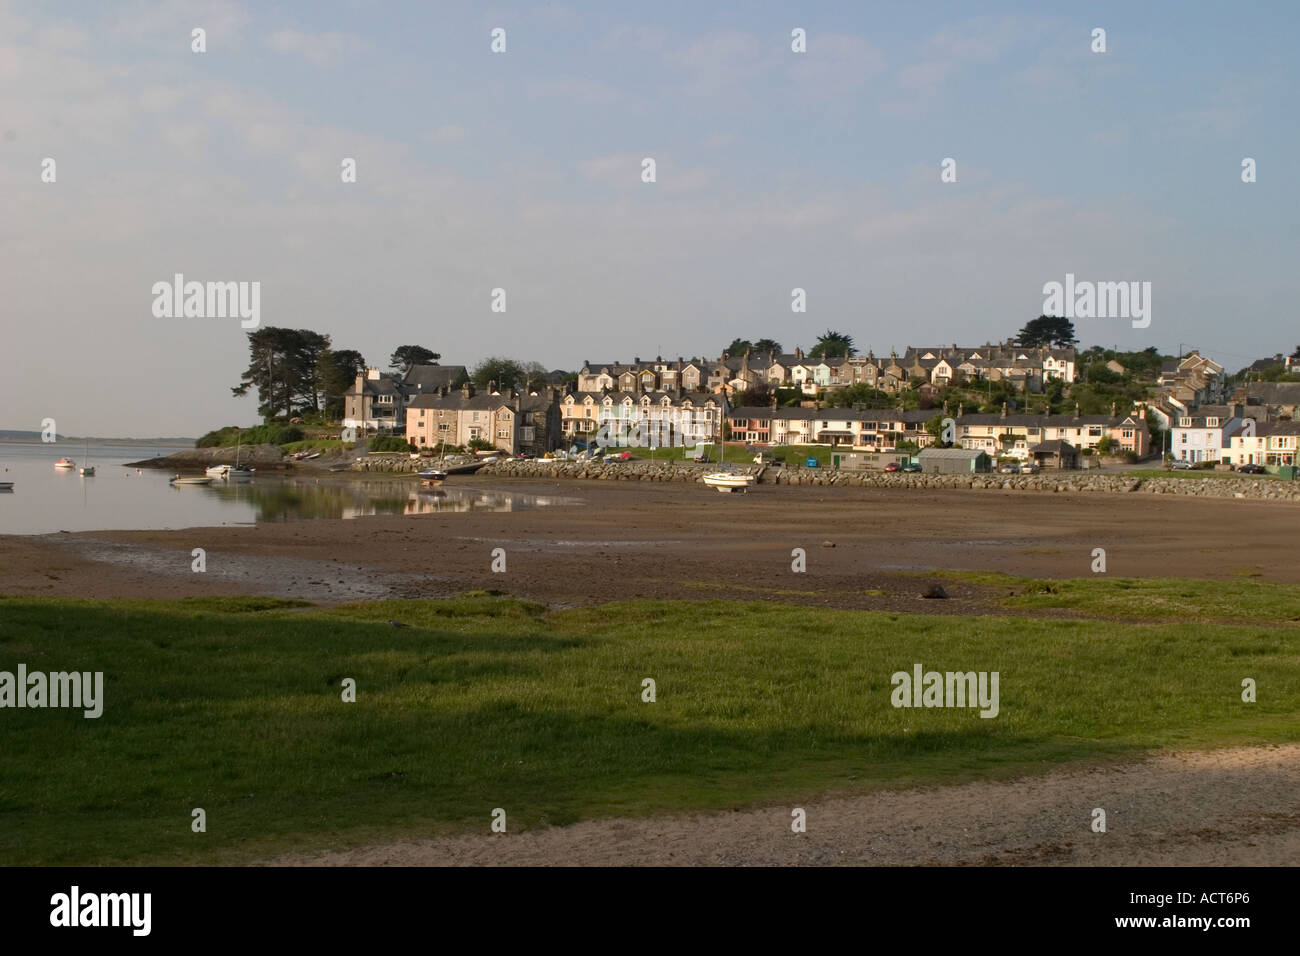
[1054,482]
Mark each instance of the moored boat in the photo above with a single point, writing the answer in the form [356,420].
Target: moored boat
[6,486]
[190,480]
[65,463]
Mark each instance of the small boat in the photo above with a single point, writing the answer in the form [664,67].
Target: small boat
[65,463]
[217,471]
[87,469]
[179,480]
[729,481]
[724,480]
[6,486]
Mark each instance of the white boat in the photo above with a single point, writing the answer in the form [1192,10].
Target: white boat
[235,472]
[179,480]
[727,481]
[65,463]
[87,469]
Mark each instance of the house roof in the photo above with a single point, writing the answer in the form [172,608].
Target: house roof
[456,401]
[433,376]
[1054,447]
[954,454]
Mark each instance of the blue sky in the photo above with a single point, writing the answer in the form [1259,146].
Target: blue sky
[521,170]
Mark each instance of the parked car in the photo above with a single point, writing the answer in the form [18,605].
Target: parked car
[1008,470]
[892,466]
[1251,469]
[1029,468]
[1181,464]
[912,469]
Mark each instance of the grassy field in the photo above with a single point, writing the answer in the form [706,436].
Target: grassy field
[234,705]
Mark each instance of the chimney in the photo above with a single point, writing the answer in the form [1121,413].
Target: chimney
[774,401]
[961,409]
[1004,409]
[636,360]
[1076,411]
[1113,409]
[467,390]
[798,352]
[945,406]
[372,373]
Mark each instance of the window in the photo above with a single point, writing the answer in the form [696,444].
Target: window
[1184,423]
[1211,423]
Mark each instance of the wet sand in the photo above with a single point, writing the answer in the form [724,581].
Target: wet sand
[651,540]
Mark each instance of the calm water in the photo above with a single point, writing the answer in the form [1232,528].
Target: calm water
[46,500]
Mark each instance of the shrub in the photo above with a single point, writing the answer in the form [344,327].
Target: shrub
[391,443]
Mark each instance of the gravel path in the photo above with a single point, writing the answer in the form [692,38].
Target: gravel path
[1236,807]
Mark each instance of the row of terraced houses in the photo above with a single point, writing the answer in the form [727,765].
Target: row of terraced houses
[684,401]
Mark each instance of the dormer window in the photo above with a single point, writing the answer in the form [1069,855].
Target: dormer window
[1184,423]
[1211,423]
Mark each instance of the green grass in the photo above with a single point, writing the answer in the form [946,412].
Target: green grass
[1191,473]
[233,705]
[1241,600]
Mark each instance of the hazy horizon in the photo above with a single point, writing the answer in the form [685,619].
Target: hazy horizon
[521,170]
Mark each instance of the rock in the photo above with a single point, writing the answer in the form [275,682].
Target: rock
[935,591]
[828,544]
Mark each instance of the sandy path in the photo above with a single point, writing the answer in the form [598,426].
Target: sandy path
[1236,807]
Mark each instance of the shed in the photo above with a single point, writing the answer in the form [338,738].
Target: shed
[1055,454]
[954,461]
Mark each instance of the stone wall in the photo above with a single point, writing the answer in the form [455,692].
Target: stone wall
[1054,482]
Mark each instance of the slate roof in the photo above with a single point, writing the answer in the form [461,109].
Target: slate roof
[430,377]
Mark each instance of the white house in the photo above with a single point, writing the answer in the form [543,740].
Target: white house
[1204,435]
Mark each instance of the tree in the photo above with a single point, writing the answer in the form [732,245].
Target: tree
[339,371]
[1047,330]
[832,345]
[859,394]
[285,367]
[759,396]
[771,346]
[532,375]
[406,356]
[498,371]
[739,346]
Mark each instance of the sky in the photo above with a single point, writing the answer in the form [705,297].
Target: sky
[522,170]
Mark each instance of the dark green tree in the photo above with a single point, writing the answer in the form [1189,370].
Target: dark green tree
[405,356]
[739,347]
[284,368]
[832,345]
[339,371]
[771,346]
[498,371]
[1047,330]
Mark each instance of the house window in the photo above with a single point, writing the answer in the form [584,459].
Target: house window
[1184,423]
[1211,423]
